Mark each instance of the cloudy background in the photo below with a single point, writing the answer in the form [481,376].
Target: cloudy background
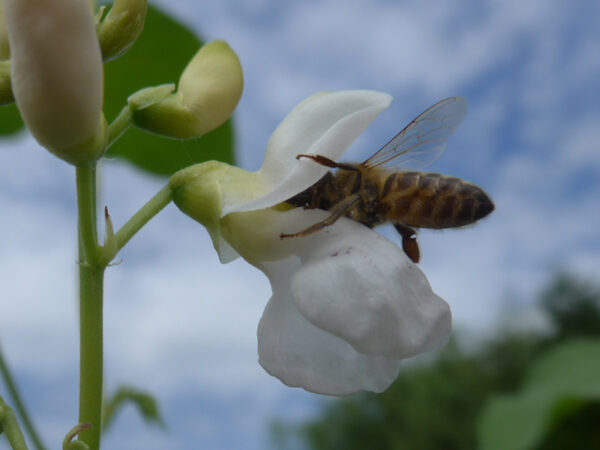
[183,326]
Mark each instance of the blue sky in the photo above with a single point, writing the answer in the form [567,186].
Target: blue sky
[184,327]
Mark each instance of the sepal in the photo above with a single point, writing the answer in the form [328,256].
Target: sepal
[202,190]
[149,96]
[197,193]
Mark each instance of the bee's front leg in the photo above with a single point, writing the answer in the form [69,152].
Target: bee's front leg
[324,161]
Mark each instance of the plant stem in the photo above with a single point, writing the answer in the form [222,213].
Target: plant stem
[140,218]
[19,405]
[92,262]
[91,278]
[120,125]
[90,352]
[10,427]
[86,213]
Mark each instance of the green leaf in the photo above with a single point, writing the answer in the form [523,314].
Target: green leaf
[558,385]
[159,56]
[10,120]
[145,403]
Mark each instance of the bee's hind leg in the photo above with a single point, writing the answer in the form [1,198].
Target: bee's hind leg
[324,161]
[336,212]
[409,242]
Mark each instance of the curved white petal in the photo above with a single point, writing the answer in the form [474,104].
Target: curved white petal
[364,289]
[347,303]
[226,252]
[324,124]
[353,282]
[302,355]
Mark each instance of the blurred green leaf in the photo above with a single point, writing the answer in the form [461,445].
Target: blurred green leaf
[559,384]
[159,56]
[10,120]
[574,305]
[145,403]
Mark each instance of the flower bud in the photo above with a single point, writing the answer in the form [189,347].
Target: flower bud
[57,77]
[208,91]
[121,27]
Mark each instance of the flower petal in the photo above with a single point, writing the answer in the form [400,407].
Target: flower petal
[324,124]
[302,355]
[352,282]
[364,289]
[347,304]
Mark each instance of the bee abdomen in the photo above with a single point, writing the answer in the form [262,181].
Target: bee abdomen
[431,200]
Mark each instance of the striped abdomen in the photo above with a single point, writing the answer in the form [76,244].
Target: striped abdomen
[432,200]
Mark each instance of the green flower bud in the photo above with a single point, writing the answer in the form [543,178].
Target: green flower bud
[57,77]
[208,91]
[121,27]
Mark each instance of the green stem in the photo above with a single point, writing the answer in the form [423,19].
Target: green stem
[10,427]
[120,125]
[93,260]
[18,402]
[91,279]
[86,210]
[139,219]
[90,352]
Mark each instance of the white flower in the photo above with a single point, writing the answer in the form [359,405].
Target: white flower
[348,305]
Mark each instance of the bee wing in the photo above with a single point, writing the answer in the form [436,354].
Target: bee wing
[422,140]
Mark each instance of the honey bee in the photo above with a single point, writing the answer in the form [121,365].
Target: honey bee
[378,190]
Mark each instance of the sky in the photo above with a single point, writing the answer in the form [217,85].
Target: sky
[182,326]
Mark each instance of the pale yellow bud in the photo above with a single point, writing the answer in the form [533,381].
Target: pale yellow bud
[121,27]
[208,91]
[56,75]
